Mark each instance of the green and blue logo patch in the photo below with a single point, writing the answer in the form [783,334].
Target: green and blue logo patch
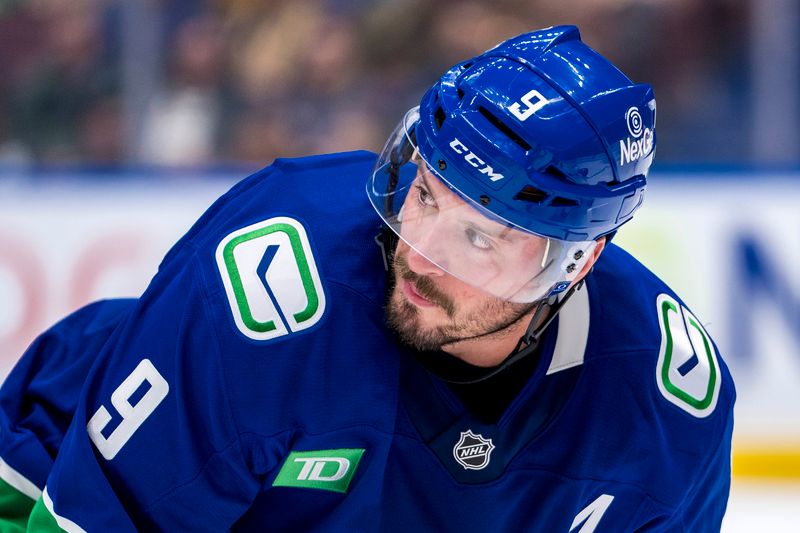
[687,371]
[271,279]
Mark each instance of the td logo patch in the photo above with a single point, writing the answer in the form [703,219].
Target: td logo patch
[271,279]
[323,469]
[473,451]
[687,371]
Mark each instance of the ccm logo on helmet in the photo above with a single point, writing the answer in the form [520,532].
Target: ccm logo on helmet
[474,160]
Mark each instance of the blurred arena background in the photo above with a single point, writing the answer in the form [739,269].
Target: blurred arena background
[121,121]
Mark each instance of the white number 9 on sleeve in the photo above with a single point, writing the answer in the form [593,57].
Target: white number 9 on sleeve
[132,415]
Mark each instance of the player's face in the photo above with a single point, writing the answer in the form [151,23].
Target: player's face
[468,242]
[431,308]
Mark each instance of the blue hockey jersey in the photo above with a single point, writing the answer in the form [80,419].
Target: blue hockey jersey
[254,386]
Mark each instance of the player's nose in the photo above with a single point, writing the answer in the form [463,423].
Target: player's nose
[421,265]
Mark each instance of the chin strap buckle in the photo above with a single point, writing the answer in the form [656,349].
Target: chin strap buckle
[553,305]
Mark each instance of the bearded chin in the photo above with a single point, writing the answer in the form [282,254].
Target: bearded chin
[491,320]
[403,318]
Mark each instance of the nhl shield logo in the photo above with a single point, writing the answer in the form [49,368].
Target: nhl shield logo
[473,451]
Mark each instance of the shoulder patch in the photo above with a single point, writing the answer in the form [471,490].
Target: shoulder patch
[687,372]
[271,279]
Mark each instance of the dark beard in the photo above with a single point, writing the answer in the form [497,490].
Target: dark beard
[403,317]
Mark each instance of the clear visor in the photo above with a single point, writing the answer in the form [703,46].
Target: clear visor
[462,237]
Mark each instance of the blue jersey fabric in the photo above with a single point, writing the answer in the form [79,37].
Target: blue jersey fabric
[609,434]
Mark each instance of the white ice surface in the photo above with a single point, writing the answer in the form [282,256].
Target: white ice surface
[762,507]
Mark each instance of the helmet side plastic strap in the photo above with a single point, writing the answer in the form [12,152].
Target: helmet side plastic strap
[387,241]
[529,342]
[532,334]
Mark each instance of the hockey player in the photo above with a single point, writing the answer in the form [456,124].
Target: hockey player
[529,374]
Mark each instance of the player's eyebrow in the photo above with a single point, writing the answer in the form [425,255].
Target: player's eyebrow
[425,182]
[505,233]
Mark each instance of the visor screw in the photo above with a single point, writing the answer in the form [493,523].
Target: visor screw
[571,268]
[442,164]
[578,255]
[484,199]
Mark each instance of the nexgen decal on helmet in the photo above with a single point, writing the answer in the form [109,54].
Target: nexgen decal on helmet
[541,135]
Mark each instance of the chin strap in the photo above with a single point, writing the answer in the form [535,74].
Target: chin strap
[387,240]
[459,372]
[554,304]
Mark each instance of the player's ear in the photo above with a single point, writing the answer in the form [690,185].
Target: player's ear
[587,267]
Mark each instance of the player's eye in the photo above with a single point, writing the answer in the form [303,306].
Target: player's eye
[424,197]
[478,239]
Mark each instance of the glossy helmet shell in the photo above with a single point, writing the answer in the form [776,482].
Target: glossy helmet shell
[543,132]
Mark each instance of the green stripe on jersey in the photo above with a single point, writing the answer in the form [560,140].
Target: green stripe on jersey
[15,508]
[42,520]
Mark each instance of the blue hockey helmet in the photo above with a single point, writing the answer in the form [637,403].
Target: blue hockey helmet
[540,135]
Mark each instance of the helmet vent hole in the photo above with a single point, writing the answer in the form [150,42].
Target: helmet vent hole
[553,171]
[560,201]
[460,92]
[511,134]
[439,117]
[529,193]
